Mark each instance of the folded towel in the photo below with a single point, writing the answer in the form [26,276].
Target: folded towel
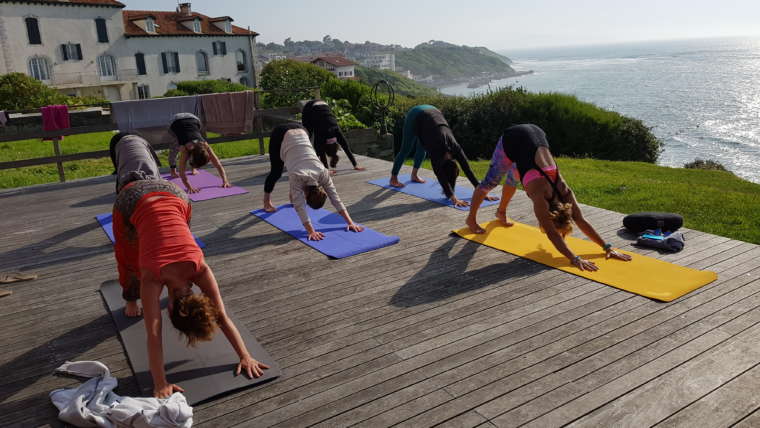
[229,113]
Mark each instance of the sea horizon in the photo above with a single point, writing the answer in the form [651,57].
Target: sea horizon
[700,96]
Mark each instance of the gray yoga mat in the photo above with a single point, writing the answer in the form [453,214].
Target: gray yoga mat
[204,371]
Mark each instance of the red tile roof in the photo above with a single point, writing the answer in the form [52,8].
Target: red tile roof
[337,61]
[107,3]
[170,24]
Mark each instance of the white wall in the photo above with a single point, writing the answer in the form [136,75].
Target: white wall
[61,24]
[220,67]
[58,25]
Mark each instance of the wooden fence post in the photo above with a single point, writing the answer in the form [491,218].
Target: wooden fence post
[258,120]
[57,148]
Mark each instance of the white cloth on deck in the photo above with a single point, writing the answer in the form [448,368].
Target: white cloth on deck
[94,404]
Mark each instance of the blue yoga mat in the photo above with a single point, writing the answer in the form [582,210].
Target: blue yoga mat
[338,242]
[431,191]
[106,222]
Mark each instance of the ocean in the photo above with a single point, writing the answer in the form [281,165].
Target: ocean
[700,97]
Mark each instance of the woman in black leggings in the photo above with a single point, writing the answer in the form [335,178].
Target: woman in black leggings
[323,128]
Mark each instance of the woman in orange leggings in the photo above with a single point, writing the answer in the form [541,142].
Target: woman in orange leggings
[154,248]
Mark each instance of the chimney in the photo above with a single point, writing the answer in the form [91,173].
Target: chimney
[184,9]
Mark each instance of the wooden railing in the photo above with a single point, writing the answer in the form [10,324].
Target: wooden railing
[259,133]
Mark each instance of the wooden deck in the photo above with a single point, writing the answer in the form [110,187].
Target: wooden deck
[435,330]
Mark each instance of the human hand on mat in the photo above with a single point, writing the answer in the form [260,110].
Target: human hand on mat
[226,184]
[315,235]
[491,198]
[250,367]
[585,264]
[191,189]
[355,227]
[166,390]
[617,255]
[194,171]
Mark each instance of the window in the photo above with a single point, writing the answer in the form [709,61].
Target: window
[143,92]
[100,27]
[39,68]
[201,60]
[140,64]
[71,51]
[106,67]
[33,31]
[150,25]
[227,27]
[197,25]
[220,48]
[244,81]
[170,62]
[240,58]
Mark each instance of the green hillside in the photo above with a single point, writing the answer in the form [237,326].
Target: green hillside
[401,84]
[447,61]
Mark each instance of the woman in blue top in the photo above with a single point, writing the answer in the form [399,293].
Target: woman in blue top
[426,131]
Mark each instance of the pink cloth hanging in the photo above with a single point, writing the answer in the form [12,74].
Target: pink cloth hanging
[55,118]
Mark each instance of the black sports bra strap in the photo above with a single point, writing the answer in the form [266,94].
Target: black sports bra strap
[555,190]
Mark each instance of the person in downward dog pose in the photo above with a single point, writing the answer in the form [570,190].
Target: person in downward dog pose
[310,182]
[322,125]
[155,249]
[427,132]
[192,148]
[522,153]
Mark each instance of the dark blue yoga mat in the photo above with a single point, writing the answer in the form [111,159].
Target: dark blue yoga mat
[106,222]
[338,242]
[431,191]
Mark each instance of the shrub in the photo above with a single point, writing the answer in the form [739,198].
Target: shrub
[342,111]
[282,76]
[20,92]
[197,87]
[705,164]
[574,128]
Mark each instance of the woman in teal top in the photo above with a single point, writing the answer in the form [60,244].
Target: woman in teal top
[426,131]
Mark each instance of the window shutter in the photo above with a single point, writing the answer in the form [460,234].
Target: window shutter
[176,61]
[140,63]
[223,45]
[79,51]
[65,54]
[33,31]
[165,62]
[213,47]
[100,26]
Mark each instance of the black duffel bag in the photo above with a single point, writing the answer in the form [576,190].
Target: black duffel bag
[639,222]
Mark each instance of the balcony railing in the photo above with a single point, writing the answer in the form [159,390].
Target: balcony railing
[92,79]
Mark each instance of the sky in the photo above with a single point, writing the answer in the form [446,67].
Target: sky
[496,24]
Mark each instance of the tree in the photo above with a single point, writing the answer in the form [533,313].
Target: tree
[20,92]
[290,74]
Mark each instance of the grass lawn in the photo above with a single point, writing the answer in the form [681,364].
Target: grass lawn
[711,201]
[29,149]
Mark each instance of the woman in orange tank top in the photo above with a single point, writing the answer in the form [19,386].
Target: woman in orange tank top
[154,248]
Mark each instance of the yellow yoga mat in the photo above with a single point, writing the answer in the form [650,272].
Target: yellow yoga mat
[643,275]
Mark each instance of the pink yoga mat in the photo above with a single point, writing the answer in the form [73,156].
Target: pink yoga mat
[210,186]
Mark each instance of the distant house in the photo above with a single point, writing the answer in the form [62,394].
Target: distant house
[337,65]
[385,61]
[95,47]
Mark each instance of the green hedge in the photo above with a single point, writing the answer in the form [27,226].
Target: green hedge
[574,128]
[197,87]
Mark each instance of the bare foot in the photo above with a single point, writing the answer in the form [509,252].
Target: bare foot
[474,226]
[269,208]
[174,175]
[417,179]
[502,217]
[132,309]
[395,183]
[195,172]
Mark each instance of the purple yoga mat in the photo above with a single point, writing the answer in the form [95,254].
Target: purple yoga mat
[210,186]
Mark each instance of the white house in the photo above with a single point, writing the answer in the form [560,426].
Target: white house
[94,47]
[337,65]
[385,61]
